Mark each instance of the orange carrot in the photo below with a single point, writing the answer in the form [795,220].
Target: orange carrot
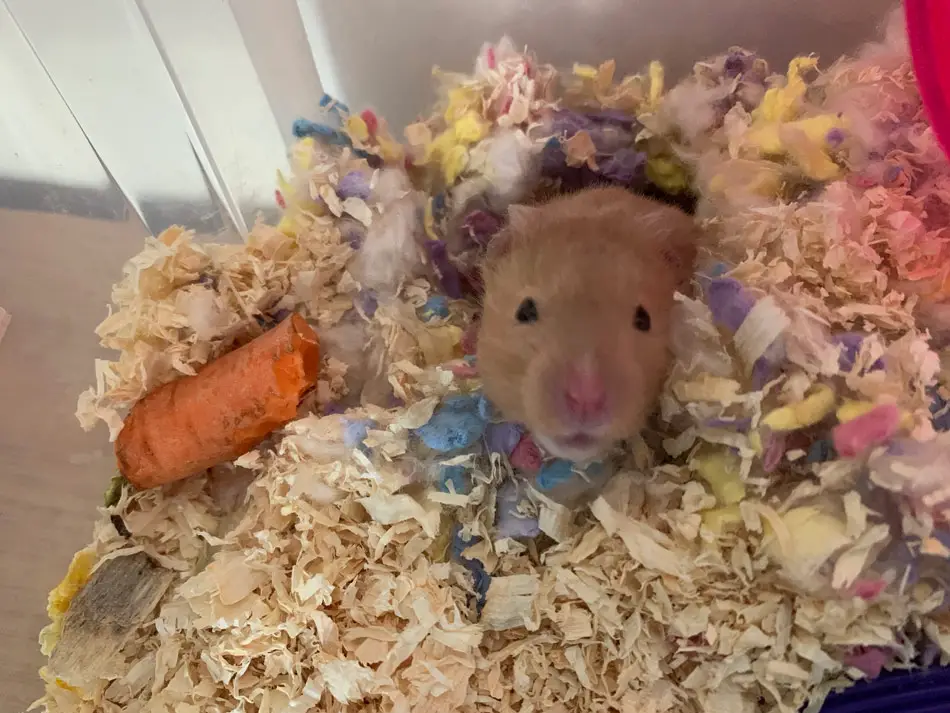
[185,426]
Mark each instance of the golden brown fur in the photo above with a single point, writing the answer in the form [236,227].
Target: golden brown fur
[588,260]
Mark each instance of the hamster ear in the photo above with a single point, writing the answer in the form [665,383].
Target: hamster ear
[521,219]
[678,250]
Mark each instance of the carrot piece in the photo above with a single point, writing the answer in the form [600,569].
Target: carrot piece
[190,424]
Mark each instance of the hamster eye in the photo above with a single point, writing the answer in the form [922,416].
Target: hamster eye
[641,319]
[527,311]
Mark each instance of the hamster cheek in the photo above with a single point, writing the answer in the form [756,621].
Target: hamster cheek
[638,378]
[502,368]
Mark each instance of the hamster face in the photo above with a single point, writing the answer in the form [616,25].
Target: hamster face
[575,332]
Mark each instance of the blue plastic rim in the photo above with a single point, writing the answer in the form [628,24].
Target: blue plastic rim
[921,691]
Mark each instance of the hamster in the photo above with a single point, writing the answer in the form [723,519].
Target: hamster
[574,340]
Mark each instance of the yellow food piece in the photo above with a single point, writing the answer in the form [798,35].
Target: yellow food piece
[720,469]
[461,100]
[722,520]
[470,128]
[806,143]
[293,200]
[755,441]
[62,595]
[803,141]
[437,344]
[287,227]
[803,414]
[775,131]
[440,548]
[667,174]
[52,680]
[357,129]
[814,538]
[816,128]
[449,147]
[813,161]
[766,136]
[766,183]
[440,144]
[65,686]
[655,72]
[454,162]
[781,103]
[76,576]
[301,154]
[585,70]
[850,410]
[428,221]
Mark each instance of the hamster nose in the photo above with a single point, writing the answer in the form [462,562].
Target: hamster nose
[584,397]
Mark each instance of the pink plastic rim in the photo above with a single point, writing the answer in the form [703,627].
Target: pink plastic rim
[928,31]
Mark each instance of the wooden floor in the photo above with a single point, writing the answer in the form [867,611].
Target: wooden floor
[55,276]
